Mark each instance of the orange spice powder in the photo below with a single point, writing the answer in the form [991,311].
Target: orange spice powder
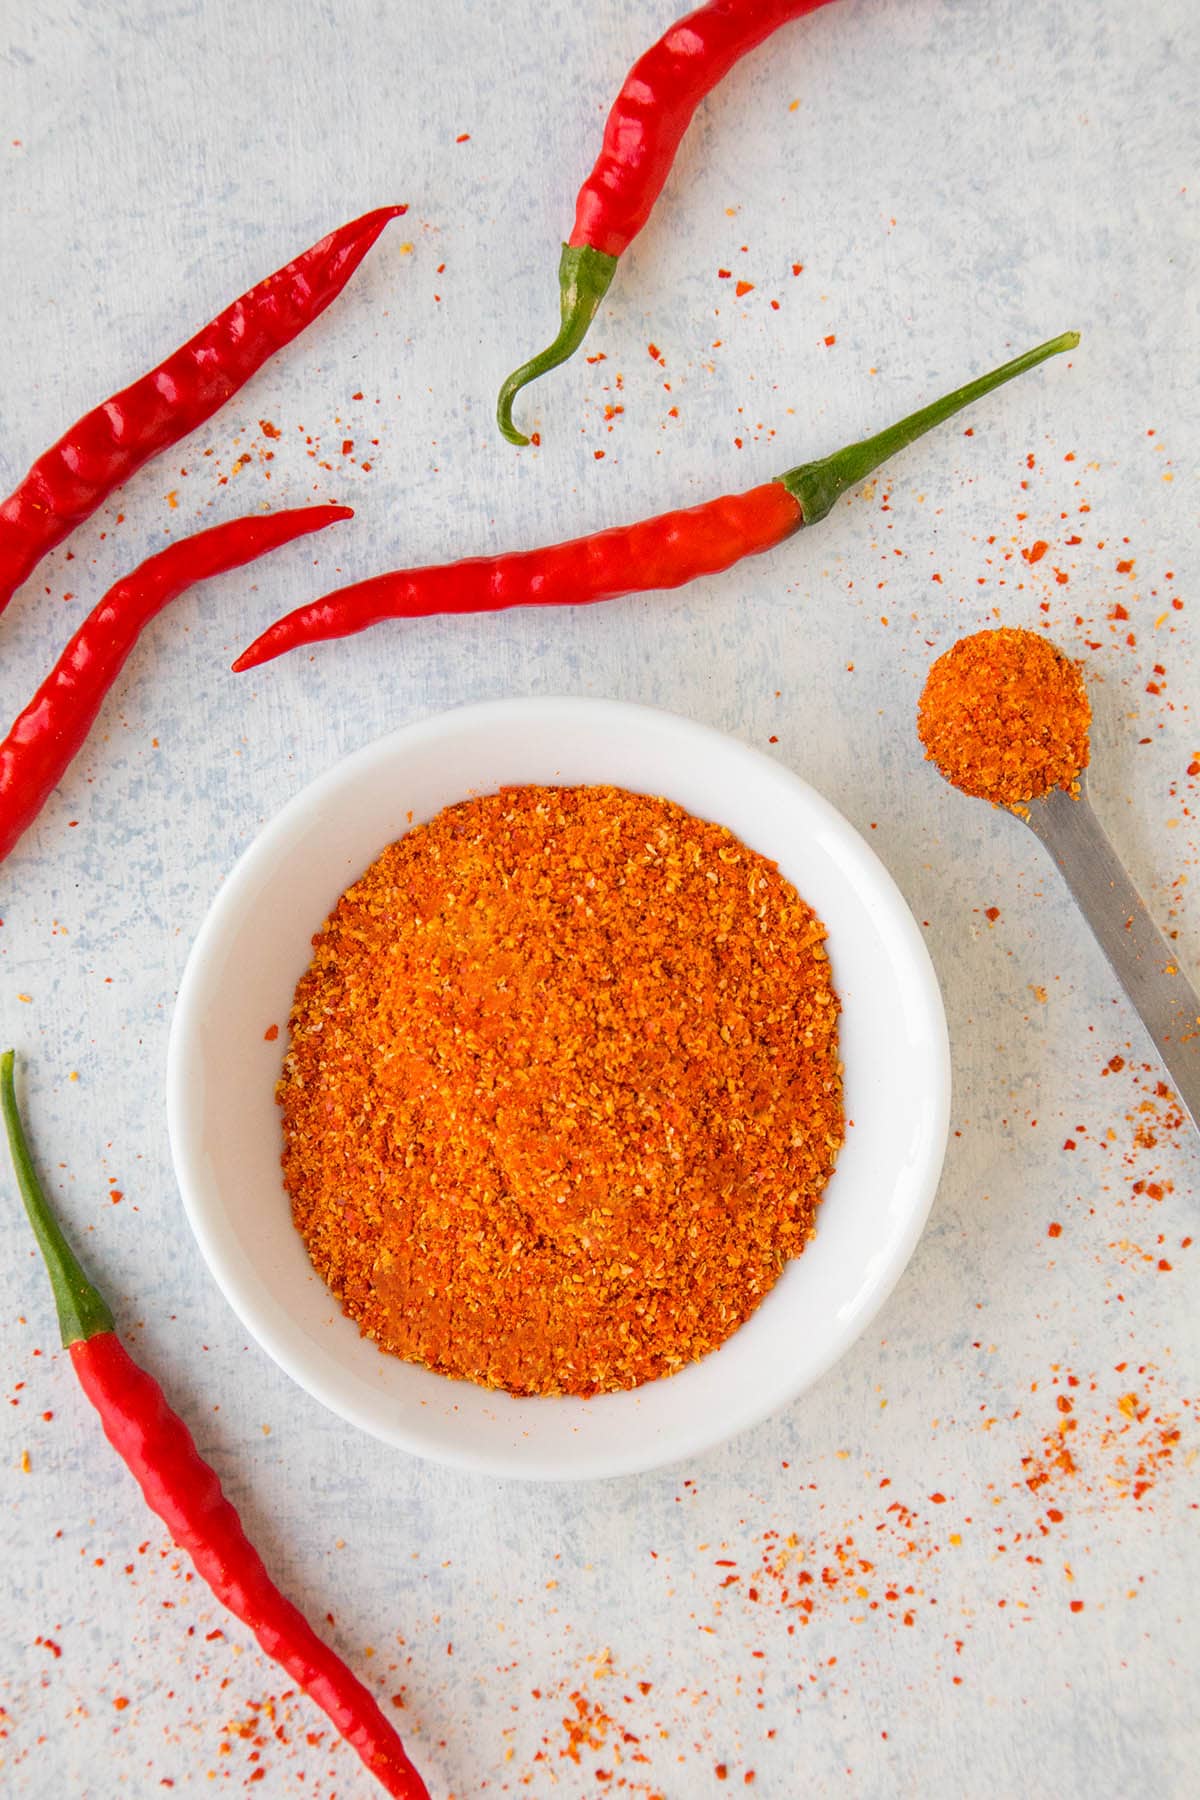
[562,1090]
[1005,717]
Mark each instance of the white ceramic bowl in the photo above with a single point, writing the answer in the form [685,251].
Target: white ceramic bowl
[255,944]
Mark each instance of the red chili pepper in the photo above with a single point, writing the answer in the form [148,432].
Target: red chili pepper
[663,552]
[648,119]
[46,736]
[106,446]
[185,1491]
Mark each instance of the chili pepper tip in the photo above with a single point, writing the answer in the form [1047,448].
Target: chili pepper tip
[83,1311]
[584,277]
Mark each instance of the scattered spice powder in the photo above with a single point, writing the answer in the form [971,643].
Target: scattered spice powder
[562,1091]
[1005,717]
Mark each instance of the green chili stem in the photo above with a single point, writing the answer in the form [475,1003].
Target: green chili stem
[82,1309]
[584,277]
[819,485]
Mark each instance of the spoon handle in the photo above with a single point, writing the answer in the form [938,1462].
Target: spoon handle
[1141,958]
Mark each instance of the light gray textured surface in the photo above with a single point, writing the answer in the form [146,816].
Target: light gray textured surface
[959,179]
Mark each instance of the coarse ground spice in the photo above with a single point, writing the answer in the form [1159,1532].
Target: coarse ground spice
[1005,717]
[562,1090]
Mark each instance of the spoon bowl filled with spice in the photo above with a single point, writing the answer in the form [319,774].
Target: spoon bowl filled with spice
[600,1115]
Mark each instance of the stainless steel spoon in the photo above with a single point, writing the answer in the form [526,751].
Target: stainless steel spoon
[1140,956]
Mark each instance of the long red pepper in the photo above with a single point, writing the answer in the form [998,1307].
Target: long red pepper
[185,1491]
[46,736]
[663,552]
[104,448]
[648,119]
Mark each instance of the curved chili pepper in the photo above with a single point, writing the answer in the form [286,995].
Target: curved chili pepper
[104,448]
[648,119]
[185,1491]
[46,736]
[663,552]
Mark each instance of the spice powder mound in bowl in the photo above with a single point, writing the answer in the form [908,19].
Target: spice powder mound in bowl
[562,1090]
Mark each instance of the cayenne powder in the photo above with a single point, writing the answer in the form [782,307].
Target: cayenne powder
[562,1090]
[1005,717]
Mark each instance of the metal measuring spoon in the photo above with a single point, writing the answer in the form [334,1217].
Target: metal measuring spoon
[1140,957]
[1003,707]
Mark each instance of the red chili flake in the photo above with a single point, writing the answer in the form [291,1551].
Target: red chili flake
[772,740]
[1036,551]
[797,268]
[1069,1144]
[1054,1230]
[598,454]
[831,339]
[654,353]
[1077,1606]
[1152,687]
[270,1034]
[268,430]
[1063,1404]
[744,287]
[938,1499]
[992,913]
[464,137]
[1125,568]
[347,446]
[721,1772]
[1053,1514]
[120,1703]
[724,274]
[1164,1266]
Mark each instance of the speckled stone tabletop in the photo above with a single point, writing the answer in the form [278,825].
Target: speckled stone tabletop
[967,1563]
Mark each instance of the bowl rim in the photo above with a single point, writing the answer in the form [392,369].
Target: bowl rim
[345,772]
